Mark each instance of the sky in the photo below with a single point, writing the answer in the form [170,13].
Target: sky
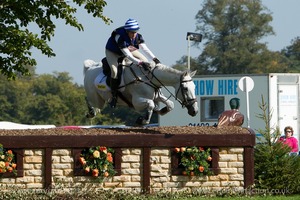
[163,24]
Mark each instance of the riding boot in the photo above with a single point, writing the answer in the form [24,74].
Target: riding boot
[114,92]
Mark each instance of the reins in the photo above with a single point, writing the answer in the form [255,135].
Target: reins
[156,88]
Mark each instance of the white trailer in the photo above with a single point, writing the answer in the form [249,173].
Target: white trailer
[279,90]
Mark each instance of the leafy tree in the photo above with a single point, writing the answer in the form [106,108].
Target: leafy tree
[292,53]
[274,169]
[46,99]
[17,41]
[232,31]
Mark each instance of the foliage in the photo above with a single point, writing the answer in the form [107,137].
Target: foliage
[274,168]
[46,99]
[17,41]
[7,161]
[292,53]
[232,31]
[98,161]
[194,160]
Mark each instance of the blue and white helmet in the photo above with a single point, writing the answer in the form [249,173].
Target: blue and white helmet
[131,25]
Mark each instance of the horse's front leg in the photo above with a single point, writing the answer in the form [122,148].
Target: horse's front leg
[169,105]
[141,104]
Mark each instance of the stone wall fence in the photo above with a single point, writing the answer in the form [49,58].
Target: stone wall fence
[144,162]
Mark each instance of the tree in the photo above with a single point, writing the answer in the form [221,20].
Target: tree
[46,99]
[16,40]
[274,169]
[232,31]
[292,53]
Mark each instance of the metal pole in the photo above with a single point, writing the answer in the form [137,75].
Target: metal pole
[247,102]
[188,58]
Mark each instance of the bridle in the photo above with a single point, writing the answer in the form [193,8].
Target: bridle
[186,101]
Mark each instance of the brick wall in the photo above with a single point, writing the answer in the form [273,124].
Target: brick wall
[144,163]
[161,179]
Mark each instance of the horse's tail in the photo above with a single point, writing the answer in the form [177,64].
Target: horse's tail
[88,64]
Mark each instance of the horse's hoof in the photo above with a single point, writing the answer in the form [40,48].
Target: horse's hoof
[139,121]
[90,114]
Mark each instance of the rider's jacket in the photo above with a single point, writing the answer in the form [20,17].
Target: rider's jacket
[123,42]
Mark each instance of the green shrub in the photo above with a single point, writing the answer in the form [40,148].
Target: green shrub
[275,171]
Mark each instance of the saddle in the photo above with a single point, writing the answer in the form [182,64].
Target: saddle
[107,71]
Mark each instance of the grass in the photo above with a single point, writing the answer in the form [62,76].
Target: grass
[280,197]
[91,193]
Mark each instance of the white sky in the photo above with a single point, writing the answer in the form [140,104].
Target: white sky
[164,24]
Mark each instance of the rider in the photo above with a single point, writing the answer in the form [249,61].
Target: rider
[126,41]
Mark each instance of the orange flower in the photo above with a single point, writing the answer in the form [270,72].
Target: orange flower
[209,158]
[9,169]
[6,164]
[182,149]
[201,168]
[109,157]
[14,165]
[106,174]
[82,160]
[177,150]
[192,173]
[9,159]
[9,152]
[1,171]
[95,172]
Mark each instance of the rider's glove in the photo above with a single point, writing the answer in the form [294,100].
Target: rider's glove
[145,65]
[156,61]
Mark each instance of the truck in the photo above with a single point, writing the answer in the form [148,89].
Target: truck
[280,92]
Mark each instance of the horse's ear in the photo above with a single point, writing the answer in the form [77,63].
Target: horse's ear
[193,73]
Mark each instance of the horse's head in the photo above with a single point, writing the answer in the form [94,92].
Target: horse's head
[186,93]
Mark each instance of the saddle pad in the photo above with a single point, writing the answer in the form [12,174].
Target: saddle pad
[100,82]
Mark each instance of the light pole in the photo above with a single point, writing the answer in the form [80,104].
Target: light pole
[197,37]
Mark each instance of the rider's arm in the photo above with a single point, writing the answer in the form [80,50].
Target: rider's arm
[126,52]
[144,47]
[129,55]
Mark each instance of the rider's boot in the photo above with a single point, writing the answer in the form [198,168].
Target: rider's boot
[114,92]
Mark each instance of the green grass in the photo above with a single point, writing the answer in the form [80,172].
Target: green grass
[280,197]
[88,192]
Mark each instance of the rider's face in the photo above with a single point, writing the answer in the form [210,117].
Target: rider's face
[131,34]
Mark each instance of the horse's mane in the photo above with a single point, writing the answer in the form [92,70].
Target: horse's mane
[163,68]
[168,69]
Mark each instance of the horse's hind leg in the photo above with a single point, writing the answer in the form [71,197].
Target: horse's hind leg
[91,111]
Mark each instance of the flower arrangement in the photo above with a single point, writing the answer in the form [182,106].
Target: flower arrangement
[98,161]
[194,160]
[7,162]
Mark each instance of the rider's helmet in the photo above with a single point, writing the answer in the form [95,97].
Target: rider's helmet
[131,25]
